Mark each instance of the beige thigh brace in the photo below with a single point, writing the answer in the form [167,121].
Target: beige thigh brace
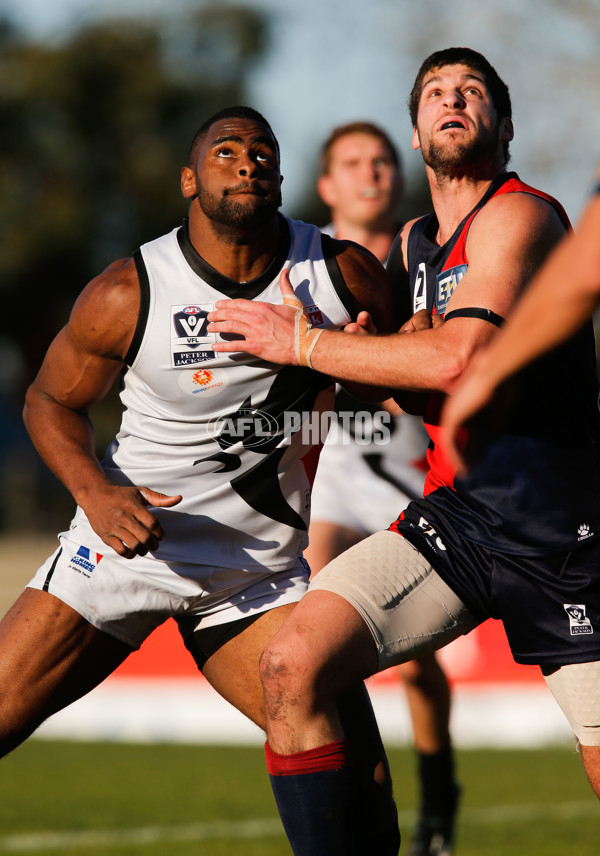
[408,608]
[576,688]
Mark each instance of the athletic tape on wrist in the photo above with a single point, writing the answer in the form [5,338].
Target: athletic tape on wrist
[305,336]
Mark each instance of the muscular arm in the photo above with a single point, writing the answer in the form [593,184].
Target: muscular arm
[508,240]
[80,367]
[560,298]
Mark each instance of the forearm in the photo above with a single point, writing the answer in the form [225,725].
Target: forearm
[411,361]
[64,439]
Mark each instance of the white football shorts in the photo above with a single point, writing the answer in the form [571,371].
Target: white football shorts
[129,598]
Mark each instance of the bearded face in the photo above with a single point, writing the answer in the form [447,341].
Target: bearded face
[239,207]
[445,158]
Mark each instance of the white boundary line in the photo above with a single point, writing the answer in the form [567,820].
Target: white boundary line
[268,828]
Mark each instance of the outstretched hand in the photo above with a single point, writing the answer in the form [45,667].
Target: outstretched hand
[268,330]
[120,516]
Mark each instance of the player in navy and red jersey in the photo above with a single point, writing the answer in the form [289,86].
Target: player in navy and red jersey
[518,537]
[361,182]
[562,297]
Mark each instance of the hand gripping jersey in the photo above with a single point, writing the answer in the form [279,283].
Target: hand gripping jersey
[222,430]
[534,484]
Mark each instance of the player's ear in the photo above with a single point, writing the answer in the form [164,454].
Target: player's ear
[507,130]
[188,182]
[326,190]
[416,142]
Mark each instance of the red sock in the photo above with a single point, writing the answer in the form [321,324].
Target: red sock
[333,756]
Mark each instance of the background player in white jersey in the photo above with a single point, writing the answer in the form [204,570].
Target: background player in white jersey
[200,509]
[359,487]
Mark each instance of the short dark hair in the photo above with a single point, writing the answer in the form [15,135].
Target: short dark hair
[237,111]
[462,56]
[356,128]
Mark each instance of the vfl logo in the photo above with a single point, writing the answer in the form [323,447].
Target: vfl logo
[446,282]
[190,340]
[578,620]
[190,324]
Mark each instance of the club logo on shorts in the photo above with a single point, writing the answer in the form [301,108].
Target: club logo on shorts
[578,620]
[85,561]
[584,532]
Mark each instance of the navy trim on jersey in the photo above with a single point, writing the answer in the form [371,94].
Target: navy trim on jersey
[142,319]
[46,585]
[331,248]
[230,287]
[476,312]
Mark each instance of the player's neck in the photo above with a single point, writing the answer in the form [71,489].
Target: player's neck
[240,254]
[453,198]
[378,239]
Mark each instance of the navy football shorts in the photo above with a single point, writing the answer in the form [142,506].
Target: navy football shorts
[549,605]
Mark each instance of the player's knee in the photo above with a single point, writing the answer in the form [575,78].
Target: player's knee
[282,678]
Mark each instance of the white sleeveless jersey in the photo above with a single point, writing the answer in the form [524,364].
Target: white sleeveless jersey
[221,429]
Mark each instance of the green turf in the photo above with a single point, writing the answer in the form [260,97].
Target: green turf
[516,803]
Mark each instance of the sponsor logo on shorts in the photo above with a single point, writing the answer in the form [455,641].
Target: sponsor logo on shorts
[85,561]
[428,530]
[584,532]
[578,621]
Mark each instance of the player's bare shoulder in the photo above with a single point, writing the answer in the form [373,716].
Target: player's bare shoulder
[105,314]
[516,221]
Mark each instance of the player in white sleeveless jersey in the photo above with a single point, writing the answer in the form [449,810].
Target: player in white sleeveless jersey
[200,509]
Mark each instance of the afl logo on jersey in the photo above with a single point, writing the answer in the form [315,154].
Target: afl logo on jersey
[191,310]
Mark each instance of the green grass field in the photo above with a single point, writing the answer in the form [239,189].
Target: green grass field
[114,799]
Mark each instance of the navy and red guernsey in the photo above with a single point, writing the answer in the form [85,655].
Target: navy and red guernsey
[533,487]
